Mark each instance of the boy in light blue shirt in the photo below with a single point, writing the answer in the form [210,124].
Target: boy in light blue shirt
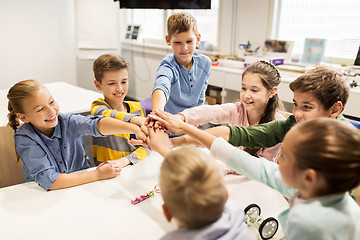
[182,77]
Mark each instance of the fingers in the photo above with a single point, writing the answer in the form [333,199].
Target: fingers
[137,142]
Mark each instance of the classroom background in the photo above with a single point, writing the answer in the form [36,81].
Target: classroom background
[58,40]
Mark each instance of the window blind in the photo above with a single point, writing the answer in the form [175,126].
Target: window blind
[338,21]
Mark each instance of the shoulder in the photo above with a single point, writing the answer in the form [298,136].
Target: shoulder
[133,105]
[99,101]
[201,59]
[25,130]
[168,60]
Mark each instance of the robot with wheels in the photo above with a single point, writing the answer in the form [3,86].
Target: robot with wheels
[267,228]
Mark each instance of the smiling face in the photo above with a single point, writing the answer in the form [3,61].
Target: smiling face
[183,46]
[114,86]
[41,110]
[307,106]
[253,93]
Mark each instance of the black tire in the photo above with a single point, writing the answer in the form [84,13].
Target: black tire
[268,228]
[252,208]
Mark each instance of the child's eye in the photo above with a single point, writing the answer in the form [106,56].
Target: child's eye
[189,41]
[295,104]
[40,110]
[52,102]
[254,90]
[307,107]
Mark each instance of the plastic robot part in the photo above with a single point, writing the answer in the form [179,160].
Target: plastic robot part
[266,228]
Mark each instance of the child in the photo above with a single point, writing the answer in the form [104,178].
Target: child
[259,103]
[111,77]
[182,77]
[319,162]
[50,143]
[321,92]
[194,194]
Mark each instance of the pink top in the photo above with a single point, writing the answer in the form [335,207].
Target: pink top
[233,114]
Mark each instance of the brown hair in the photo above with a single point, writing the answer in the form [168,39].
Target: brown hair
[108,62]
[16,97]
[332,148]
[326,84]
[270,78]
[181,22]
[192,187]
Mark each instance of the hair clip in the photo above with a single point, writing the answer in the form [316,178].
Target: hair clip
[146,196]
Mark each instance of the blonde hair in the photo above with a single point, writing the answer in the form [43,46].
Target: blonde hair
[332,148]
[16,97]
[192,187]
[181,22]
[106,63]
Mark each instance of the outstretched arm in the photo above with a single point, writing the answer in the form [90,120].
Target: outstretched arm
[177,126]
[108,126]
[158,100]
[103,171]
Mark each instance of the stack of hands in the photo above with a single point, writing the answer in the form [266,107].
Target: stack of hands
[158,127]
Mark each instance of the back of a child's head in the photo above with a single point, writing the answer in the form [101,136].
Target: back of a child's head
[270,78]
[181,22]
[326,84]
[332,148]
[17,95]
[192,187]
[107,63]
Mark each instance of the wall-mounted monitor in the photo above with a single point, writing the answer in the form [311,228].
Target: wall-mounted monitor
[165,4]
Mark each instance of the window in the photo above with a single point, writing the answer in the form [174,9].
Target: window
[336,21]
[153,22]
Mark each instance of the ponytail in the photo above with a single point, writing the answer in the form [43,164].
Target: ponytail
[272,106]
[16,97]
[14,122]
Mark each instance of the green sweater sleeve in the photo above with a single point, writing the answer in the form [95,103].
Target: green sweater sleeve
[261,136]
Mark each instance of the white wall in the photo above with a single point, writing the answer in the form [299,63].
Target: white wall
[37,41]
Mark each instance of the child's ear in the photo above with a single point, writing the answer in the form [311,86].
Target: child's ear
[22,117]
[273,92]
[97,85]
[167,39]
[167,213]
[311,178]
[198,37]
[336,109]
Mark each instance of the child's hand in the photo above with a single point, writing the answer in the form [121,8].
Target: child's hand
[159,141]
[107,170]
[140,135]
[144,129]
[134,141]
[169,121]
[122,162]
[225,169]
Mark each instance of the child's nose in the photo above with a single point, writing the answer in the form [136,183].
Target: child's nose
[297,113]
[119,87]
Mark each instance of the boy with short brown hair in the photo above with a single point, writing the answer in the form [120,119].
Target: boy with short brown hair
[111,77]
[182,77]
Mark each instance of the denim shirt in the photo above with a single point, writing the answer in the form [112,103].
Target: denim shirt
[183,88]
[45,158]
